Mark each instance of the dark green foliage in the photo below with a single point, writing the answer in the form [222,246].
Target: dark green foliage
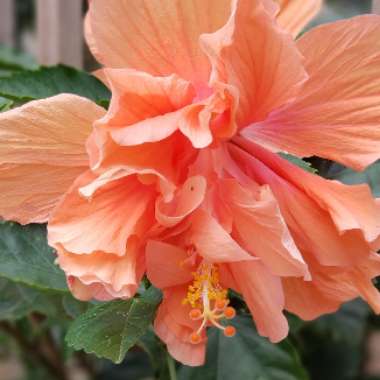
[49,81]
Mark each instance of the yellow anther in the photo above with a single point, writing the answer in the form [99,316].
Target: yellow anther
[207,276]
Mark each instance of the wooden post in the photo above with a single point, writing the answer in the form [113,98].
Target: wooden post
[376,6]
[7,22]
[60,32]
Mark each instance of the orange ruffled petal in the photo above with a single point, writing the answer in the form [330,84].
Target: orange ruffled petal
[166,265]
[310,222]
[350,207]
[213,242]
[262,230]
[252,49]
[103,276]
[294,15]
[264,296]
[337,112]
[330,288]
[103,222]
[156,36]
[42,151]
[173,326]
[187,199]
[143,107]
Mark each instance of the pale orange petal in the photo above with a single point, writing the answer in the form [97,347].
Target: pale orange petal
[138,96]
[103,222]
[146,176]
[261,229]
[150,130]
[142,106]
[118,277]
[187,198]
[212,116]
[310,223]
[83,292]
[52,131]
[111,161]
[156,36]
[330,287]
[195,125]
[362,278]
[311,299]
[100,74]
[173,326]
[294,15]
[227,279]
[350,207]
[271,6]
[42,151]
[375,245]
[336,115]
[106,157]
[173,298]
[213,242]
[29,192]
[264,296]
[253,54]
[166,265]
[184,352]
[366,288]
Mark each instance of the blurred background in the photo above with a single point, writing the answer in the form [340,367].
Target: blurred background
[342,346]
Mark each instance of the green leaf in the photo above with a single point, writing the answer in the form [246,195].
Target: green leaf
[135,366]
[246,356]
[18,301]
[347,325]
[109,330]
[299,162]
[333,344]
[49,81]
[350,177]
[295,323]
[157,353]
[5,104]
[5,73]
[73,307]
[25,257]
[13,60]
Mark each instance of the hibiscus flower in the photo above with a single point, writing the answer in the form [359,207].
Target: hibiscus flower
[180,178]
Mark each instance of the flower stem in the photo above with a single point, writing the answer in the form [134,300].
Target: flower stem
[171,366]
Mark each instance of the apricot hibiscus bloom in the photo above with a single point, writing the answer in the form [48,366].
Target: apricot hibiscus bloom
[180,178]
